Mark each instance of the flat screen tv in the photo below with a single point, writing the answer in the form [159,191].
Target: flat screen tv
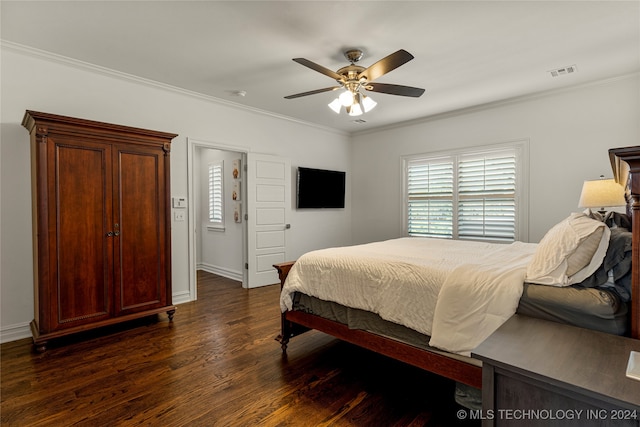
[319,188]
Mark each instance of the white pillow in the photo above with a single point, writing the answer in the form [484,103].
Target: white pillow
[571,251]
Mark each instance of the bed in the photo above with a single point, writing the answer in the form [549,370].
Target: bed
[437,335]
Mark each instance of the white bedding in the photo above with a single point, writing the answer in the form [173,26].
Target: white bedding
[458,292]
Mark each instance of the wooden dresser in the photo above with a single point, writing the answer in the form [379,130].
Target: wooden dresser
[101,224]
[541,373]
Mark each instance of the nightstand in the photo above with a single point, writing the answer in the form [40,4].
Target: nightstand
[536,372]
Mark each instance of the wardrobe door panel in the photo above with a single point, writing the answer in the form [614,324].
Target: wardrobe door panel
[141,278]
[79,215]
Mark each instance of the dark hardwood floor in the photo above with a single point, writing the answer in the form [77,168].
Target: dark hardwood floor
[217,364]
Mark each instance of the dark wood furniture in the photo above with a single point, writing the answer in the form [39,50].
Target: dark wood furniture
[101,224]
[296,322]
[554,374]
[625,163]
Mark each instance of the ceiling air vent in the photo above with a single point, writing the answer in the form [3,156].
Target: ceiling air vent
[562,71]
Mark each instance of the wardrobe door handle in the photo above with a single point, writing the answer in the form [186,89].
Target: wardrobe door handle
[110,234]
[117,233]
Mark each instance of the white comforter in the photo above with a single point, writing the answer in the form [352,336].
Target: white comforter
[458,292]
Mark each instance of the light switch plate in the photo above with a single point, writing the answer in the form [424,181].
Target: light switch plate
[179,202]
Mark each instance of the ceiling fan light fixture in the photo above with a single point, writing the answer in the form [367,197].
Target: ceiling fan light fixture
[335,105]
[354,110]
[354,78]
[359,105]
[368,103]
[346,98]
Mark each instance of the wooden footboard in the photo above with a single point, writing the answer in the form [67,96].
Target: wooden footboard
[288,328]
[296,322]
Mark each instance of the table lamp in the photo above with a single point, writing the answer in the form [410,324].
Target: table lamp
[601,193]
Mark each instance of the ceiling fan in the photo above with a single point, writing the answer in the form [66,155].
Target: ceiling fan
[353,78]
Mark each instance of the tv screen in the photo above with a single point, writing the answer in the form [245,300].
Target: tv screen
[318,188]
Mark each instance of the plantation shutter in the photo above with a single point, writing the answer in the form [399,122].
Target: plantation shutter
[430,197]
[215,192]
[487,196]
[465,195]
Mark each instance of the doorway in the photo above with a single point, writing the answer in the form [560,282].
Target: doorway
[217,242]
[263,187]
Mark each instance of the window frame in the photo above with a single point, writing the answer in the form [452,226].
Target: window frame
[214,223]
[521,199]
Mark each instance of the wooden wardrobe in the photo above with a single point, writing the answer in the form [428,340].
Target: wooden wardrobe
[101,224]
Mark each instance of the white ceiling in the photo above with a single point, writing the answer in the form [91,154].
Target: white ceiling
[466,53]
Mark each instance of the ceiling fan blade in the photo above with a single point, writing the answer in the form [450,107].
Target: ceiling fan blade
[386,64]
[312,92]
[413,92]
[318,68]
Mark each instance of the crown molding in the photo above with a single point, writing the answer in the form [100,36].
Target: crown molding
[497,104]
[97,69]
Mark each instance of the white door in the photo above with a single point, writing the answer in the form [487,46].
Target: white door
[268,208]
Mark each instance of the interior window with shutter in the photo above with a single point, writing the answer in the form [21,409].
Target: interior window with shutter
[216,207]
[430,197]
[472,194]
[487,196]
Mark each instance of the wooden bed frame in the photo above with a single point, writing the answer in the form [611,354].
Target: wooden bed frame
[625,163]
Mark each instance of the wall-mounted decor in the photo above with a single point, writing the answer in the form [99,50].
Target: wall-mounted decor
[236,193]
[237,168]
[237,212]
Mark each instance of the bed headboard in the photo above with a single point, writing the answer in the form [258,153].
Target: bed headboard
[625,163]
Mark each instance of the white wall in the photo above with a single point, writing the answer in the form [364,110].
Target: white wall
[569,135]
[48,84]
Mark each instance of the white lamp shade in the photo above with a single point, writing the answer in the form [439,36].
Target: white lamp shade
[355,103]
[335,105]
[368,103]
[346,98]
[354,110]
[599,193]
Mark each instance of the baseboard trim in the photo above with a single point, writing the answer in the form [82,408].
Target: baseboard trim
[181,298]
[23,330]
[15,332]
[220,271]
